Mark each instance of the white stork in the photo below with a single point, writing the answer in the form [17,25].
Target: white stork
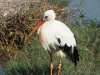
[56,37]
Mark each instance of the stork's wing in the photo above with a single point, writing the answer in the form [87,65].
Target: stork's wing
[71,51]
[67,42]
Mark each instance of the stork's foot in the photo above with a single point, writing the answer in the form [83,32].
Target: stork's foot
[51,68]
[59,68]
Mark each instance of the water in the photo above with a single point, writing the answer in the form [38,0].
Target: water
[90,7]
[2,70]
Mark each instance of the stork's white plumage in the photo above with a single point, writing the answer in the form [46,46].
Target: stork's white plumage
[56,37]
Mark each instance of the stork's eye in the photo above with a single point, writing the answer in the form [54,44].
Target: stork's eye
[46,16]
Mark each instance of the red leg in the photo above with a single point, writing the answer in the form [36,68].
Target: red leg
[51,65]
[59,66]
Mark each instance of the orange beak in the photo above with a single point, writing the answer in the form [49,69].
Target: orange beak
[37,26]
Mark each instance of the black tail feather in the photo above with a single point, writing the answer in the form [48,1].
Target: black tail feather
[75,56]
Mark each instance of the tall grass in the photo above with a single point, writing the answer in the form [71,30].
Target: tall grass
[33,60]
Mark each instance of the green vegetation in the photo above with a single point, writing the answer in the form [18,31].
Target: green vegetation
[29,58]
[33,60]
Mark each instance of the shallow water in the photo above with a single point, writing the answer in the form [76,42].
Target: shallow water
[90,7]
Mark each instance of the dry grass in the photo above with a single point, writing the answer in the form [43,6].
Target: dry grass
[14,29]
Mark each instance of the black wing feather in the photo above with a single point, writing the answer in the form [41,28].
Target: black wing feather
[68,50]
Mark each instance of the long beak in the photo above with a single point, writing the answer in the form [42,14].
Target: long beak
[37,26]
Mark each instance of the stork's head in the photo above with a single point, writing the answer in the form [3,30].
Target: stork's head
[47,16]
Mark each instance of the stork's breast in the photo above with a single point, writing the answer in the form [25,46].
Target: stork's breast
[41,36]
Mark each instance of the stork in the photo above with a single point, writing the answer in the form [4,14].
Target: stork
[56,37]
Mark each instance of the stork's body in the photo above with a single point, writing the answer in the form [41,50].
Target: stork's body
[56,37]
[53,35]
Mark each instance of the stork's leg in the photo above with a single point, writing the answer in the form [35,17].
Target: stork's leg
[51,65]
[59,66]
